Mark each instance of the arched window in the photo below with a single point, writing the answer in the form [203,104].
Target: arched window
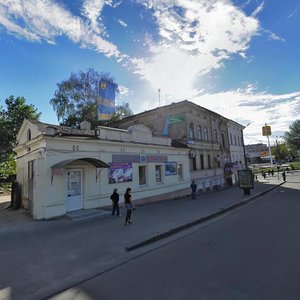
[28,134]
[191,134]
[199,133]
[206,134]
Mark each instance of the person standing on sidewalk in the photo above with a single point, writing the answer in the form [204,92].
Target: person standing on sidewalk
[284,176]
[194,189]
[115,203]
[129,206]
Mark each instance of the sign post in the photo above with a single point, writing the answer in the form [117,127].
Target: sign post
[266,131]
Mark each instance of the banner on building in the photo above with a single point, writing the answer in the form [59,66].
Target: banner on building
[120,172]
[170,168]
[106,100]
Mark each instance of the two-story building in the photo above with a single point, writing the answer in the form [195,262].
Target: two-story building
[204,132]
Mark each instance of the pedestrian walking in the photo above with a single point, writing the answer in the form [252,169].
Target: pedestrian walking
[272,172]
[194,189]
[264,174]
[115,203]
[284,176]
[129,206]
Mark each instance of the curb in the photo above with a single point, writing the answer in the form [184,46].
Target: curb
[177,229]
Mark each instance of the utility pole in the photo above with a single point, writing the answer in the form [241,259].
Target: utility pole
[158,97]
[266,131]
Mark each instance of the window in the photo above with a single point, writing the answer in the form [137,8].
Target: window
[158,174]
[201,161]
[180,171]
[208,161]
[231,143]
[28,135]
[199,133]
[216,135]
[191,133]
[206,134]
[223,140]
[238,140]
[142,175]
[194,163]
[235,140]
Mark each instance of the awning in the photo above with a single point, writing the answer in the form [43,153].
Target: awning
[56,169]
[95,162]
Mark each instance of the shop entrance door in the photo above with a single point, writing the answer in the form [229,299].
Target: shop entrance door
[74,199]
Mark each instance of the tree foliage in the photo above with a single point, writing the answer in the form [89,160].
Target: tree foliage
[11,119]
[122,111]
[74,100]
[292,137]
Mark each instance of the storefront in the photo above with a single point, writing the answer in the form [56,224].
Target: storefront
[61,169]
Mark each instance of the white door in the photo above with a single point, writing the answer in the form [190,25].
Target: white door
[74,190]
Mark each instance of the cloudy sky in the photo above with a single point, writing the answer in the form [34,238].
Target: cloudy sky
[239,58]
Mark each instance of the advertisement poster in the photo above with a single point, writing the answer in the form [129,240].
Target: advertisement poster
[245,179]
[120,172]
[170,168]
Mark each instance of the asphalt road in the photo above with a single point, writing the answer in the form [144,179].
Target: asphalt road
[251,253]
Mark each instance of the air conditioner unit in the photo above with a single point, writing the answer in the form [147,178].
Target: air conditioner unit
[192,154]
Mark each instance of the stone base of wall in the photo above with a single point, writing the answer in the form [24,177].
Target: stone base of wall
[163,197]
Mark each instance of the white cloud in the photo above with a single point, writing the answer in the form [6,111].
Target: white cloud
[92,10]
[38,20]
[196,37]
[258,9]
[249,106]
[122,23]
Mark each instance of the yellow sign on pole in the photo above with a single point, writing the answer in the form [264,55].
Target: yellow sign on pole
[266,130]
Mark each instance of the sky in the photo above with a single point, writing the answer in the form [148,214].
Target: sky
[239,58]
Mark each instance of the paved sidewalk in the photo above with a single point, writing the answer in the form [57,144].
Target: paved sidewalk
[39,258]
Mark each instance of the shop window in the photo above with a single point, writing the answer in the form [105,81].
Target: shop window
[180,171]
[191,133]
[158,174]
[142,175]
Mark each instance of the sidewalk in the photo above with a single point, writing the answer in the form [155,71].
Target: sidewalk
[39,258]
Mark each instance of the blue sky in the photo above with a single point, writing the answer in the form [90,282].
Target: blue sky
[238,58]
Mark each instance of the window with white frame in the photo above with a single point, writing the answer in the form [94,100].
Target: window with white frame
[199,133]
[180,171]
[191,133]
[142,175]
[206,134]
[158,173]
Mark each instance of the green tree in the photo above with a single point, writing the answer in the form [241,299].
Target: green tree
[280,151]
[292,137]
[74,100]
[11,119]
